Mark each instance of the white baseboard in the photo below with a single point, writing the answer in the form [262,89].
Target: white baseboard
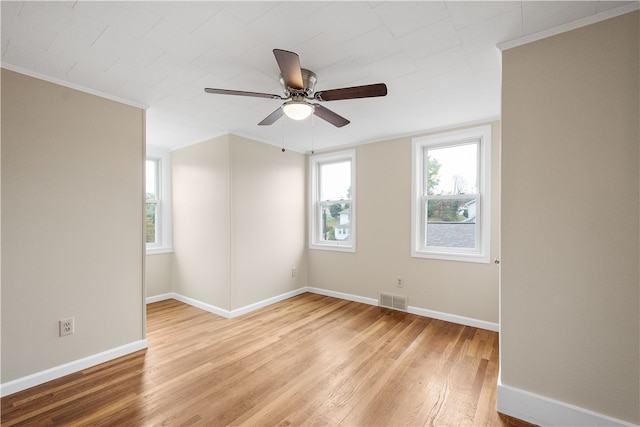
[461,320]
[544,411]
[453,318]
[260,304]
[229,314]
[42,377]
[160,297]
[341,295]
[201,305]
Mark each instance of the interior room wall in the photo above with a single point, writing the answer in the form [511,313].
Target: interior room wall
[570,209]
[239,222]
[158,274]
[201,202]
[72,228]
[268,227]
[383,197]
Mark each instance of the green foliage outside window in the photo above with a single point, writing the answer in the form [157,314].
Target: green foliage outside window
[150,220]
[335,210]
[433,168]
[439,210]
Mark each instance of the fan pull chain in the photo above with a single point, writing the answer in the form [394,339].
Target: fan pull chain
[283,150]
[312,133]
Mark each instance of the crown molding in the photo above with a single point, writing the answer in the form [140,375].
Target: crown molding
[70,85]
[579,23]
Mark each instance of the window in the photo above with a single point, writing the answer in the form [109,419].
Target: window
[451,195]
[158,200]
[332,210]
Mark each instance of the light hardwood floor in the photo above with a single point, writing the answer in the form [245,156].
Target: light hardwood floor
[309,360]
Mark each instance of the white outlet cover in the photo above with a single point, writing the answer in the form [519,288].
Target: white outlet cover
[66,326]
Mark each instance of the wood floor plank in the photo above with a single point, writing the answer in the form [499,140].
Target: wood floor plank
[310,360]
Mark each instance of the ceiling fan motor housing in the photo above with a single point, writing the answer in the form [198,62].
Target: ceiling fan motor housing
[309,79]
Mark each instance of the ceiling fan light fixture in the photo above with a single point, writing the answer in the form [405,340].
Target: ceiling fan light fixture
[297,110]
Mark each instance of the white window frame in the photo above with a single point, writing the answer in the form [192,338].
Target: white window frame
[315,205]
[164,239]
[481,253]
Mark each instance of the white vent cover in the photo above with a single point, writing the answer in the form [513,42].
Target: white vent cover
[396,302]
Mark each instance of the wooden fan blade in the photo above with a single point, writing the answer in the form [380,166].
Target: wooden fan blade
[242,93]
[289,64]
[328,115]
[366,91]
[271,118]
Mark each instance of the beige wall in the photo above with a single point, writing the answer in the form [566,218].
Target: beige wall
[157,276]
[570,210]
[239,222]
[200,267]
[72,228]
[383,192]
[268,224]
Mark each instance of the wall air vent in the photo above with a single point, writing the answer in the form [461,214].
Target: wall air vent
[396,302]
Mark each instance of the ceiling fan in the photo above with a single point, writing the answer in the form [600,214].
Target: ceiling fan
[298,85]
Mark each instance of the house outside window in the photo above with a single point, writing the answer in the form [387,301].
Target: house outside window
[158,235]
[332,201]
[451,197]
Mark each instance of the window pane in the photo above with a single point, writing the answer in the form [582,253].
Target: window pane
[451,223]
[151,222]
[336,222]
[332,194]
[452,170]
[335,181]
[151,179]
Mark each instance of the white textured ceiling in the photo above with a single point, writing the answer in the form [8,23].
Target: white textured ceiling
[438,58]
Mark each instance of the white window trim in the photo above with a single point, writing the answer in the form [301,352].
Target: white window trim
[314,213]
[483,252]
[164,243]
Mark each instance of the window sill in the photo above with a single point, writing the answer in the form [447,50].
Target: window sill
[335,248]
[446,256]
[156,251]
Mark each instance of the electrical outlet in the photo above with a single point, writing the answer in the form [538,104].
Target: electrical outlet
[66,326]
[294,272]
[400,282]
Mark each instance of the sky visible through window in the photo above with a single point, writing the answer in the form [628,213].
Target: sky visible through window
[458,173]
[335,180]
[150,183]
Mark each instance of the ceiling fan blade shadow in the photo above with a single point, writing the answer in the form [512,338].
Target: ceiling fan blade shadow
[328,115]
[271,118]
[242,93]
[366,91]
[289,64]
